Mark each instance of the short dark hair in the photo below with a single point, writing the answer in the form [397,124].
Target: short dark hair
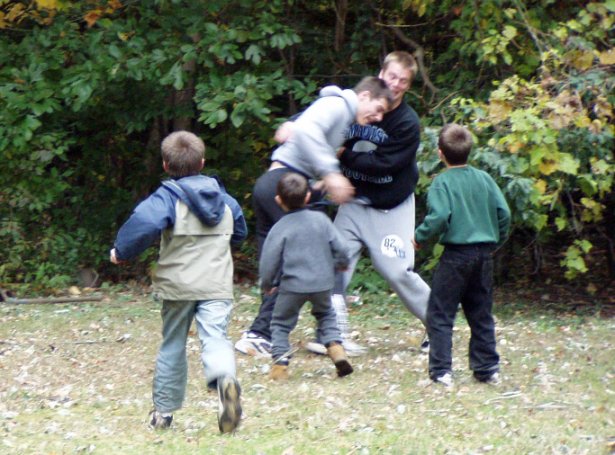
[376,86]
[292,189]
[455,142]
[183,152]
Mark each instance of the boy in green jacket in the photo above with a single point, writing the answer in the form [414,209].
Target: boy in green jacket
[468,212]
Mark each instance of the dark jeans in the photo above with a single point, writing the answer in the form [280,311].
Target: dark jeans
[464,275]
[267,212]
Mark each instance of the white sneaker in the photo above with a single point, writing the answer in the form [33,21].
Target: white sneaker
[352,349]
[252,344]
[316,347]
[446,380]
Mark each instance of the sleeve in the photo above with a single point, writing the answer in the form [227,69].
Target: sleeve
[271,259]
[504,216]
[240,228]
[312,129]
[339,248]
[395,153]
[436,221]
[148,220]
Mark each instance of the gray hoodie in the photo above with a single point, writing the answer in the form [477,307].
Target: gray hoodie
[318,133]
[301,253]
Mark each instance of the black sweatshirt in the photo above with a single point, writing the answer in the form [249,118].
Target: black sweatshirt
[380,159]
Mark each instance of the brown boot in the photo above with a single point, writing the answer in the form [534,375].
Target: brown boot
[338,355]
[279,372]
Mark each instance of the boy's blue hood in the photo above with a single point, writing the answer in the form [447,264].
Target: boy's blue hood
[201,194]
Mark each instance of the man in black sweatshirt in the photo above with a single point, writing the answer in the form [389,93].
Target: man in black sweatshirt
[380,162]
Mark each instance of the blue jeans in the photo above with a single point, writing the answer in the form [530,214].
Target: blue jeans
[464,275]
[217,354]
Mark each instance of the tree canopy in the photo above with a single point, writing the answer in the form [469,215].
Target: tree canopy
[89,88]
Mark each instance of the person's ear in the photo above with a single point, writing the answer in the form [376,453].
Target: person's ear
[441,156]
[202,164]
[278,200]
[365,95]
[165,166]
[307,197]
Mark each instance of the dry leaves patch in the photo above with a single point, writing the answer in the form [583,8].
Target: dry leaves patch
[77,379]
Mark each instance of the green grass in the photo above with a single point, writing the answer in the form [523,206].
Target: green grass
[77,379]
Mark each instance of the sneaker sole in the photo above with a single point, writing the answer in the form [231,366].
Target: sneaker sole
[229,410]
[157,422]
[251,349]
[316,348]
[320,349]
[343,368]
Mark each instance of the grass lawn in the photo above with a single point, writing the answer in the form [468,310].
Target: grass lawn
[76,378]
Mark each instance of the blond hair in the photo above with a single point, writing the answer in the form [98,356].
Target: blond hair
[405,59]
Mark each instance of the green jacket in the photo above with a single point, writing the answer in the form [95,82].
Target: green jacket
[465,206]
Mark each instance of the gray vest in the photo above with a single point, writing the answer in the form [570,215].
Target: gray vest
[195,260]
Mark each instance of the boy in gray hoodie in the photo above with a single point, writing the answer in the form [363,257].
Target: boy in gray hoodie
[311,150]
[299,257]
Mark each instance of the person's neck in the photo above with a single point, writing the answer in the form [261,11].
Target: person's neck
[396,105]
[453,166]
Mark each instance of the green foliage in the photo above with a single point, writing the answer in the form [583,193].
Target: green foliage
[89,89]
[549,140]
[366,279]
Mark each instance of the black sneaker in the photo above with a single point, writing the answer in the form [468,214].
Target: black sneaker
[489,378]
[160,422]
[229,404]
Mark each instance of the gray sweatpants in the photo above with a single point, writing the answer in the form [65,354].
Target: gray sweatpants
[386,234]
[286,314]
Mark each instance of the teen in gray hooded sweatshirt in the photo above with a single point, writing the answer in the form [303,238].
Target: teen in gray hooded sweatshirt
[311,151]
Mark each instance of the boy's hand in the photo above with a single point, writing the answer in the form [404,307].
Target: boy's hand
[284,132]
[338,187]
[416,246]
[270,291]
[113,258]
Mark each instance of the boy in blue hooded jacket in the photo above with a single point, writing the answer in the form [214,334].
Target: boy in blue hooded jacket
[196,221]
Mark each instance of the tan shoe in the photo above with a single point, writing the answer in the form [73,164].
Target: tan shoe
[338,355]
[279,372]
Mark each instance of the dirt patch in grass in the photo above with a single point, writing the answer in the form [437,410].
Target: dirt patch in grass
[77,379]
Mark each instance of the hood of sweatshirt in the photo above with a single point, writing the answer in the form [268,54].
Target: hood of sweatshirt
[202,195]
[347,94]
